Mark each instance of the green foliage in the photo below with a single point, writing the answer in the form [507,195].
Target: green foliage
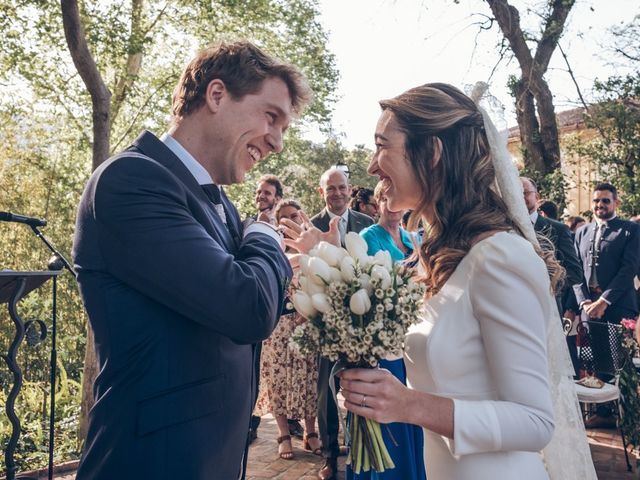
[32,408]
[629,384]
[46,133]
[615,152]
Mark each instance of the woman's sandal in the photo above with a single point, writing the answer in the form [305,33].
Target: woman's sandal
[286,454]
[307,446]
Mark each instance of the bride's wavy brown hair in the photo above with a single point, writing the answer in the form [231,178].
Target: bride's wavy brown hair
[449,153]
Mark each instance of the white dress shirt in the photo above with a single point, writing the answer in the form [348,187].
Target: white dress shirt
[203,177]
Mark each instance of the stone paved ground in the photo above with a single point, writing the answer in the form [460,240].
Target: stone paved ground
[606,449]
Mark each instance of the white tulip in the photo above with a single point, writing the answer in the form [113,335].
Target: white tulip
[383,258]
[359,303]
[365,282]
[303,260]
[382,274]
[303,305]
[319,270]
[330,253]
[357,247]
[321,302]
[313,288]
[348,269]
[303,282]
[336,275]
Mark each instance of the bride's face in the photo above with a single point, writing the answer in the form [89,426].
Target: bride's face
[391,164]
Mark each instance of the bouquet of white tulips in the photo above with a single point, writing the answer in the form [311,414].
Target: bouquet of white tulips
[358,308]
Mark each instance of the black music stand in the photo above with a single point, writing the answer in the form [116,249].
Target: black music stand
[13,287]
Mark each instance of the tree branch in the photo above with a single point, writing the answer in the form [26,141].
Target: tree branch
[134,59]
[575,82]
[140,110]
[552,33]
[508,19]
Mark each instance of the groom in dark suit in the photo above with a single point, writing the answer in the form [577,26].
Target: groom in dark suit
[176,290]
[336,192]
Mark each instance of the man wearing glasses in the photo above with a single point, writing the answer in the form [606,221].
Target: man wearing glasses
[609,249]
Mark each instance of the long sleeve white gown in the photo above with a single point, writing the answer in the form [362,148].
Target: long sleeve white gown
[483,343]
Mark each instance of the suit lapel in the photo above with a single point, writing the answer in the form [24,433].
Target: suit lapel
[152,147]
[325,220]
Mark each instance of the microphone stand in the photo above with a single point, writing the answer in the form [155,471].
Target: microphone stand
[57,262]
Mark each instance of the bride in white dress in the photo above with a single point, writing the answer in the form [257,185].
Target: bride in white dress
[477,371]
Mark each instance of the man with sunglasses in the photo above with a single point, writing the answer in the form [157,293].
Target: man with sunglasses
[609,249]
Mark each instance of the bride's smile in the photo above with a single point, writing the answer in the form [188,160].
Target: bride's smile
[391,164]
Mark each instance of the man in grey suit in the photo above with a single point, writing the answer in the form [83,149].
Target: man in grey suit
[160,251]
[336,192]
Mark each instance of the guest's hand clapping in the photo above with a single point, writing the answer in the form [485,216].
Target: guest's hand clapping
[304,236]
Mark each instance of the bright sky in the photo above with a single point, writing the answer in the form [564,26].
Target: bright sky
[384,47]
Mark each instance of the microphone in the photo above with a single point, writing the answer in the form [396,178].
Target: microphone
[14,217]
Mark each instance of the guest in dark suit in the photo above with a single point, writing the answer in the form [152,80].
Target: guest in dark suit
[560,236]
[609,249]
[160,252]
[336,192]
[610,260]
[548,209]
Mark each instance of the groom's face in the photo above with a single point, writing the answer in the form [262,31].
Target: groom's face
[244,131]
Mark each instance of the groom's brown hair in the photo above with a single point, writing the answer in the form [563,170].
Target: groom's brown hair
[243,67]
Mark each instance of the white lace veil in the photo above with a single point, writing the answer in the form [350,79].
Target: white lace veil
[567,456]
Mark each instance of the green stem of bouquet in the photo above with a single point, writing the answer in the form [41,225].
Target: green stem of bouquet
[370,445]
[378,444]
[367,447]
[387,461]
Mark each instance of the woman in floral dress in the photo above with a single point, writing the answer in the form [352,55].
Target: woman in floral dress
[288,380]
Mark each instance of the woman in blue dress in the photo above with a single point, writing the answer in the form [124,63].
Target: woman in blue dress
[406,446]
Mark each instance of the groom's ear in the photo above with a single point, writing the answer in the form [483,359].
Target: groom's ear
[437,152]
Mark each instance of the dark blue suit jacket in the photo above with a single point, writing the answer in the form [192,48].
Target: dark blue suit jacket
[565,253]
[175,303]
[617,265]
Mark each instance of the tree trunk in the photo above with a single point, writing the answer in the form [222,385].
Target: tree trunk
[549,135]
[532,148]
[88,377]
[100,100]
[539,136]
